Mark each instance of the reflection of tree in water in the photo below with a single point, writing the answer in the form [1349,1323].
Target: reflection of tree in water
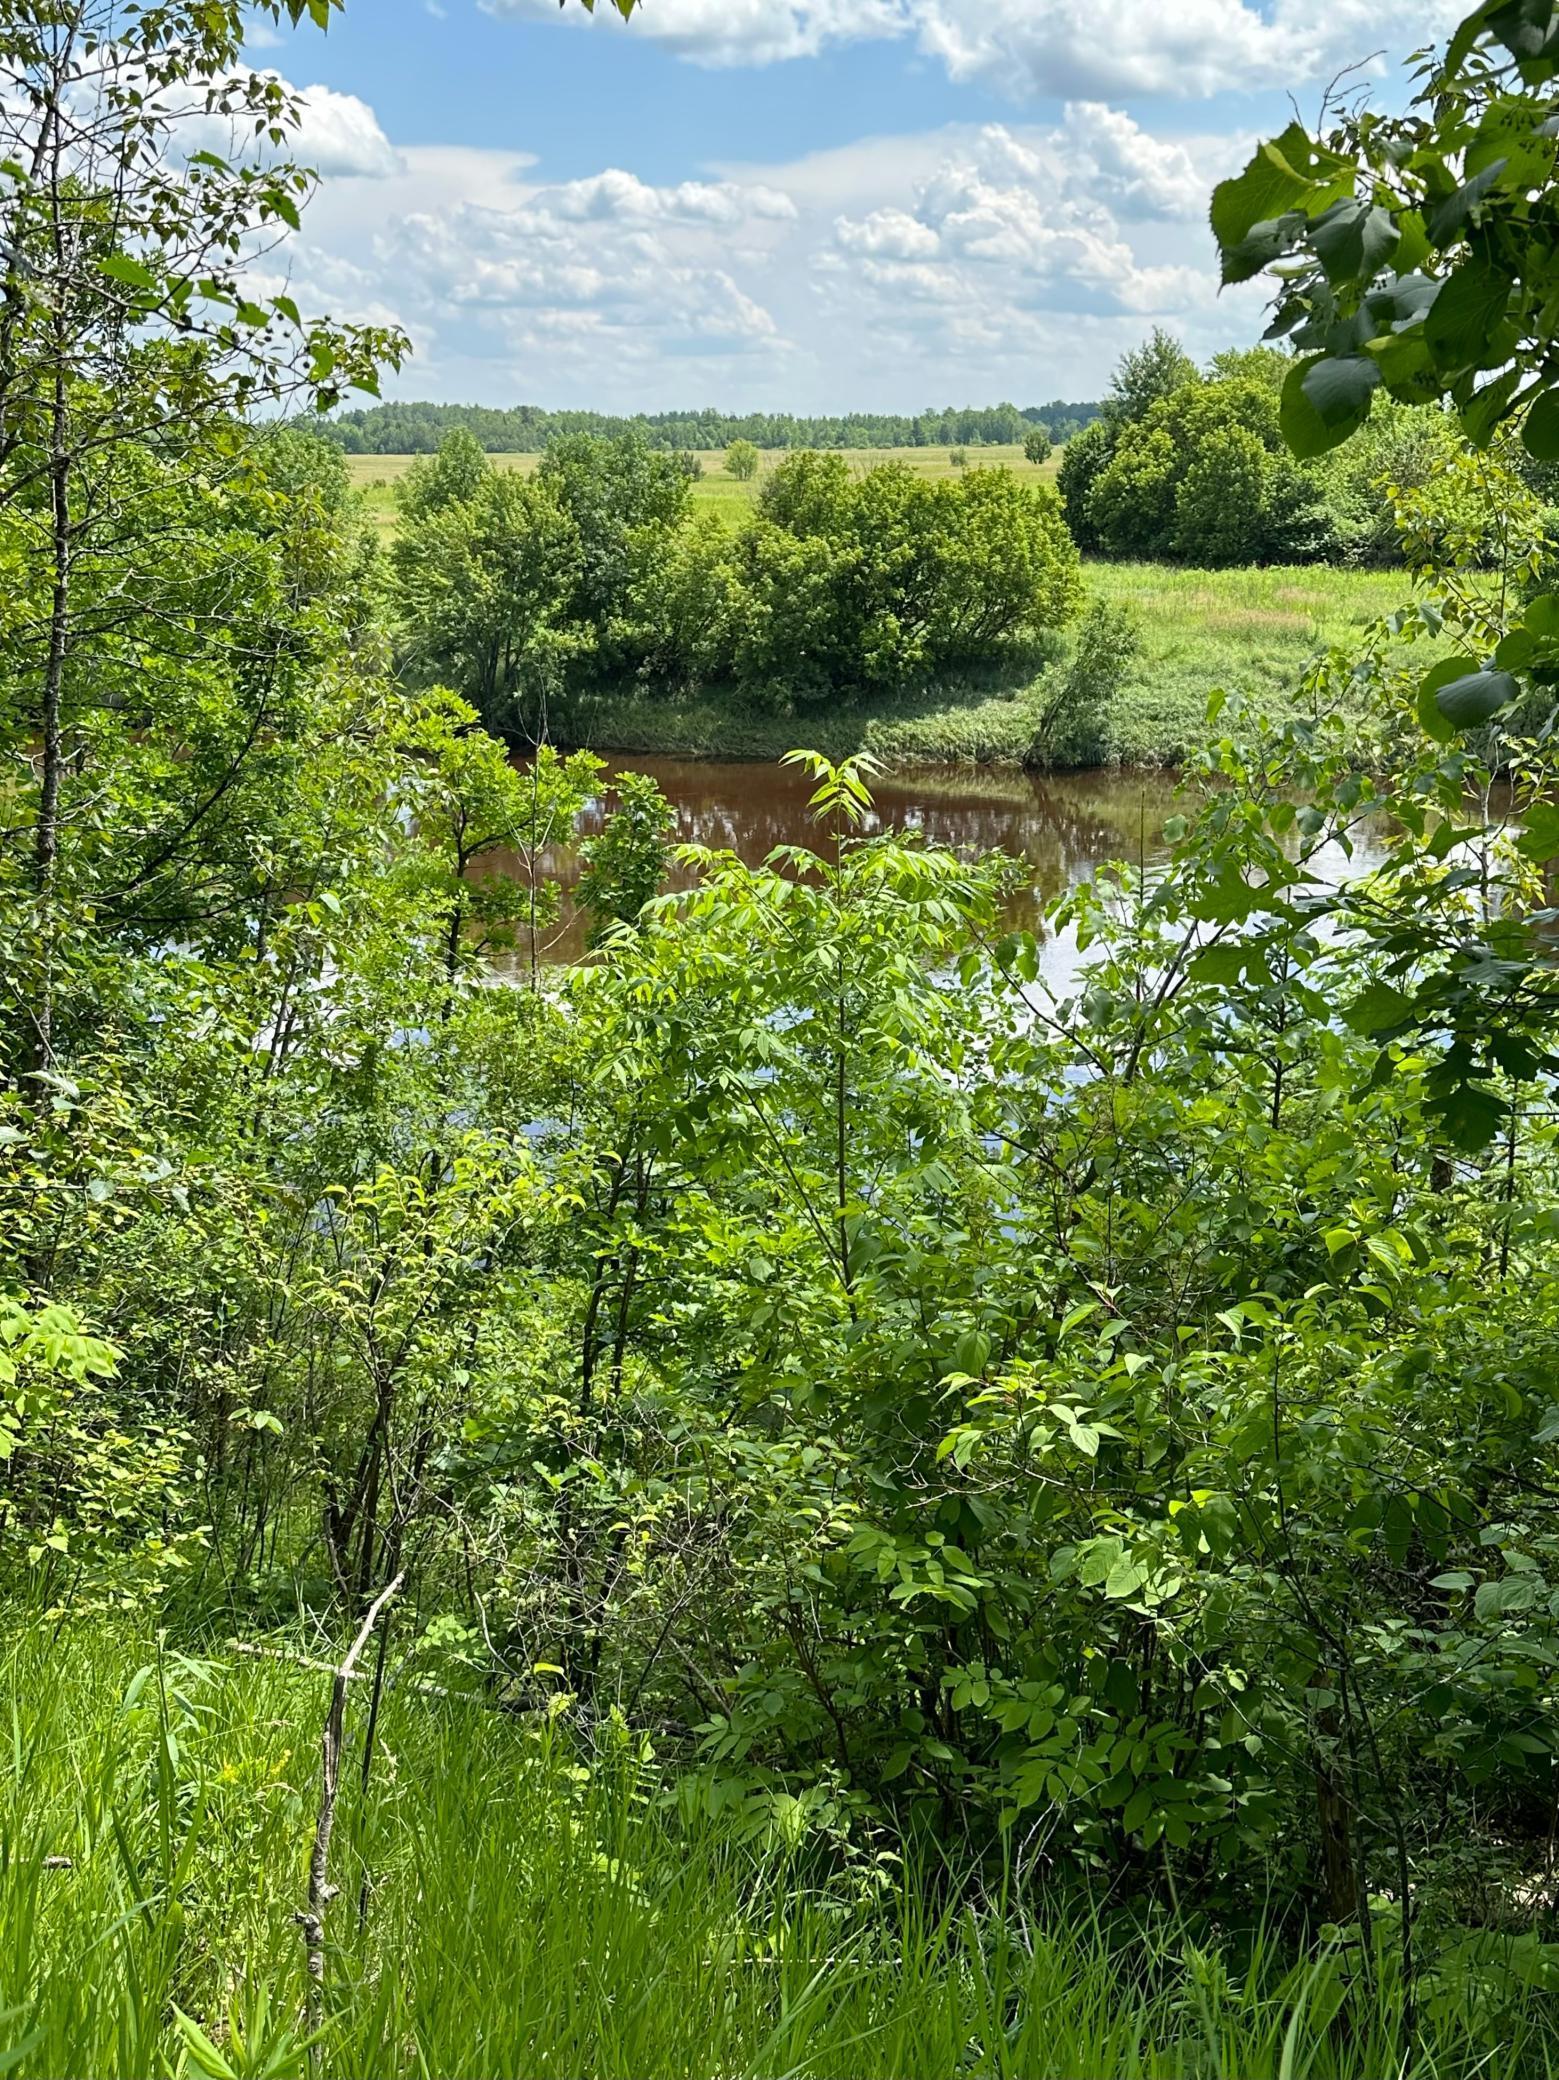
[1063,824]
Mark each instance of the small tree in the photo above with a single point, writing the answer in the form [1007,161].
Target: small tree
[626,864]
[1151,372]
[1037,445]
[741,461]
[958,457]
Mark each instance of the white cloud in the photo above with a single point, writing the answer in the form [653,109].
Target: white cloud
[624,198]
[736,32]
[501,280]
[1057,48]
[1002,260]
[1182,47]
[1136,174]
[1019,217]
[337,134]
[341,135]
[890,233]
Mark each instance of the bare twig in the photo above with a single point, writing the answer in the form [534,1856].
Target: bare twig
[321,1891]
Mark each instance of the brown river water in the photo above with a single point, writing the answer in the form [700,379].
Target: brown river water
[1063,824]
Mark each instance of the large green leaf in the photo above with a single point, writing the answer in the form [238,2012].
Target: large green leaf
[1450,219]
[1291,172]
[1539,838]
[1378,1008]
[1540,434]
[1430,714]
[1529,30]
[1475,696]
[1353,240]
[1325,399]
[1471,303]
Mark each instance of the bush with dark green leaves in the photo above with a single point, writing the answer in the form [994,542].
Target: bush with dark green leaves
[884,579]
[592,571]
[1195,468]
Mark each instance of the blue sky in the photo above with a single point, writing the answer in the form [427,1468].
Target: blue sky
[812,204]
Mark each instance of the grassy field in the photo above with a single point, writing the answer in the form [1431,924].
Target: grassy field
[1249,631]
[502,1909]
[376,476]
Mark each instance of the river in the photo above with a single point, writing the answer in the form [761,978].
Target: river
[1064,824]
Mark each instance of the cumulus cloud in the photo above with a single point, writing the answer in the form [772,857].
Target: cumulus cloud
[337,134]
[623,198]
[516,288]
[1019,218]
[1061,48]
[739,32]
[1136,174]
[341,135]
[891,234]
[995,260]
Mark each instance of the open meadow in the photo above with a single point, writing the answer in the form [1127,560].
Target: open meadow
[376,476]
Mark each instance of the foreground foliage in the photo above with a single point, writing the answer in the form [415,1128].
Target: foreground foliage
[1060,1431]
[504,1910]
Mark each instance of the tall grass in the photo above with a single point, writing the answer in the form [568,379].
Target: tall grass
[502,1911]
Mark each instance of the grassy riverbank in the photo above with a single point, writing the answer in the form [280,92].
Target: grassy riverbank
[503,1910]
[1244,630]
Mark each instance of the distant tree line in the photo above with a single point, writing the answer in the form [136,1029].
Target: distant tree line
[592,570]
[526,429]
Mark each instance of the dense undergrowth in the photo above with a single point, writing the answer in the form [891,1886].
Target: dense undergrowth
[898,1507]
[505,1909]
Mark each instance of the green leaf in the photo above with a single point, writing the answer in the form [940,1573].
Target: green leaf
[1483,414]
[1125,1578]
[1475,696]
[1539,838]
[1324,400]
[1471,303]
[1470,1115]
[1286,173]
[134,274]
[1446,225]
[1515,1593]
[1540,434]
[1378,1008]
[1221,964]
[1444,673]
[1353,240]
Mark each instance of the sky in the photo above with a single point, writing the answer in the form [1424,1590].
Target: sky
[805,205]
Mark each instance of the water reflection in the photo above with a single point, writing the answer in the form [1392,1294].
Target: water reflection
[1063,824]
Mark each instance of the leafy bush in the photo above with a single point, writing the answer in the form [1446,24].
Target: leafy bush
[1193,468]
[510,587]
[883,579]
[488,580]
[1072,726]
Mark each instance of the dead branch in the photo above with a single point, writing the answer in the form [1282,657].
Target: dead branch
[321,1891]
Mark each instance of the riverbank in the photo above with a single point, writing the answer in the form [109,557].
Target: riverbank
[1249,631]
